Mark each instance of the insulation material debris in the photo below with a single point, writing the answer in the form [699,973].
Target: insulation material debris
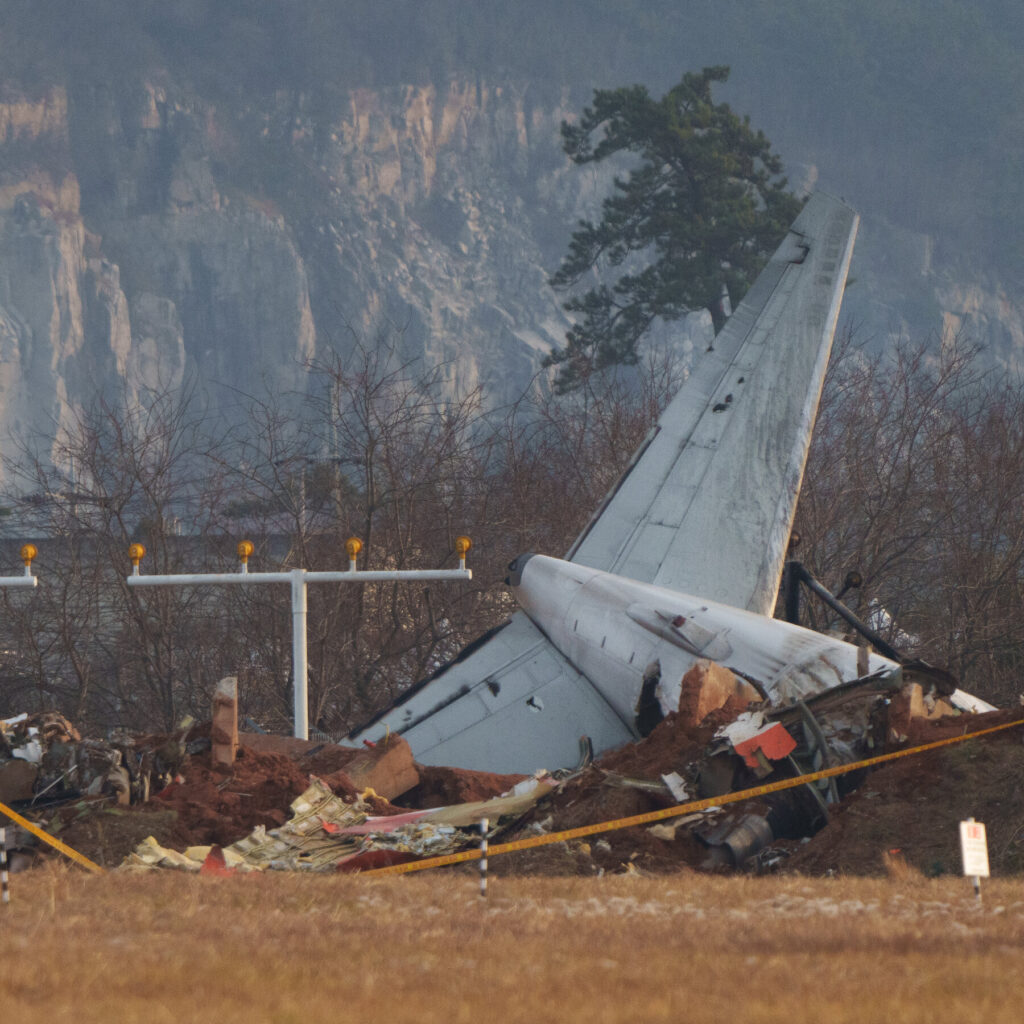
[326,833]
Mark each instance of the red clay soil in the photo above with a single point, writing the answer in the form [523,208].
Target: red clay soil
[211,805]
[597,794]
[221,805]
[316,758]
[913,805]
[441,787]
[217,805]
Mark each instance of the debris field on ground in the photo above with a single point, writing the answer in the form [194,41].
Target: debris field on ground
[208,798]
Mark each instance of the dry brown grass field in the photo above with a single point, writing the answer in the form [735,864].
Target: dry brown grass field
[424,948]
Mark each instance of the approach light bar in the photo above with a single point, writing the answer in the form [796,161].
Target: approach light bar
[298,579]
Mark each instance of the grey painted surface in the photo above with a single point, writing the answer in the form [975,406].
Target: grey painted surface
[475,713]
[707,509]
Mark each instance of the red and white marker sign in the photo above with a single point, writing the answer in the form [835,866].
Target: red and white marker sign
[974,847]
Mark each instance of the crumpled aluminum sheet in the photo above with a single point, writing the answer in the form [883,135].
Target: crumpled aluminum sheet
[324,832]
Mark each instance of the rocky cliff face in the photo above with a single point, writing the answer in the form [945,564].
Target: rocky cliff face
[149,238]
[152,237]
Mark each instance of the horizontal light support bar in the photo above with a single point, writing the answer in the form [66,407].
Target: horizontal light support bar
[365,576]
[18,581]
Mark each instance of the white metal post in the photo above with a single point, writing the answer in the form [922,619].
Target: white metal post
[298,578]
[300,667]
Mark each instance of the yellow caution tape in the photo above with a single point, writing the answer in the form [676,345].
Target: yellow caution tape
[673,812]
[47,838]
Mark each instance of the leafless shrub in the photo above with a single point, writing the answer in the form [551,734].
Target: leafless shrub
[916,480]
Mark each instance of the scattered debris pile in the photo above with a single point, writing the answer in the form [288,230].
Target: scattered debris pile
[43,756]
[327,832]
[208,798]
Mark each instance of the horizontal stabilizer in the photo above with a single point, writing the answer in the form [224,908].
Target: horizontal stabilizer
[511,704]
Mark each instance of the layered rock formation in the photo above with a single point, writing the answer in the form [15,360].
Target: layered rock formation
[150,237]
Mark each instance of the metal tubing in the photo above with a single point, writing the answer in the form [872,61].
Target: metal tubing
[791,592]
[300,665]
[18,581]
[179,579]
[881,645]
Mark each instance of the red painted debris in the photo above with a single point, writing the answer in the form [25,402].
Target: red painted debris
[775,743]
[215,863]
[375,859]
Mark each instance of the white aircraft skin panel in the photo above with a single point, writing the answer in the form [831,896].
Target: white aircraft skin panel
[477,713]
[588,618]
[608,536]
[728,479]
[523,737]
[738,500]
[510,646]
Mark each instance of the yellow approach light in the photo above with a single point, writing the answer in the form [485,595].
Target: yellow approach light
[353,546]
[28,552]
[245,549]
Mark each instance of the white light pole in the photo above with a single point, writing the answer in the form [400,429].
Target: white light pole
[28,552]
[298,579]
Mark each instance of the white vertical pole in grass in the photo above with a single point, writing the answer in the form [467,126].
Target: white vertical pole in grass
[300,666]
[5,889]
[483,857]
[298,578]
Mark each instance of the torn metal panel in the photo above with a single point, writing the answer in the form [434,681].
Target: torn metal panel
[325,833]
[772,743]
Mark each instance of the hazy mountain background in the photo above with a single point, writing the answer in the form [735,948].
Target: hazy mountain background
[225,191]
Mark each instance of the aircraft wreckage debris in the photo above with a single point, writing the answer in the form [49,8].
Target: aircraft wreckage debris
[287,804]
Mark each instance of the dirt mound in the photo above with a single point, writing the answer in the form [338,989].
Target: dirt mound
[208,805]
[211,804]
[220,805]
[441,787]
[914,805]
[612,788]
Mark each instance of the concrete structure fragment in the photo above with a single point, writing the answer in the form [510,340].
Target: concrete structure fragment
[224,727]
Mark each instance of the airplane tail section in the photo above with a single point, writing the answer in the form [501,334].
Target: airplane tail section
[705,509]
[707,506]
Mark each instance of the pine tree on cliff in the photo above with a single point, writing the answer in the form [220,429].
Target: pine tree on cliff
[705,206]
